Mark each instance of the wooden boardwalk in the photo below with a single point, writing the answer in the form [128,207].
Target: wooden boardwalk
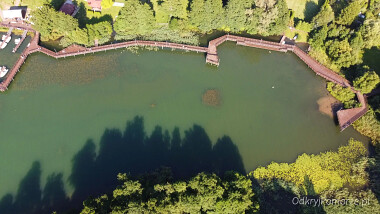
[21,41]
[345,117]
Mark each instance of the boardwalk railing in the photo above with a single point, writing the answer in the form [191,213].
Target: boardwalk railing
[345,117]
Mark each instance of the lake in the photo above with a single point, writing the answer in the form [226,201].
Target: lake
[268,105]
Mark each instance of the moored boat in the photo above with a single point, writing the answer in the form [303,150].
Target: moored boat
[3,44]
[17,41]
[3,71]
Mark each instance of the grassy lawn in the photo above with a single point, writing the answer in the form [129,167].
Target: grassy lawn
[304,9]
[302,36]
[112,11]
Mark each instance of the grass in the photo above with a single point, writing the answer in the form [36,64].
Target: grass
[302,36]
[304,9]
[112,11]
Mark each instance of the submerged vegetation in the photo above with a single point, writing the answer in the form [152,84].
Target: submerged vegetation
[211,97]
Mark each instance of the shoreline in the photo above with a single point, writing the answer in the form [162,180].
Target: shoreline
[345,117]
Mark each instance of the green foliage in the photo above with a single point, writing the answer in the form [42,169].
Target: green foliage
[77,36]
[367,82]
[206,15]
[106,4]
[325,15]
[101,31]
[205,193]
[340,53]
[51,24]
[317,41]
[349,13]
[369,125]
[304,26]
[370,33]
[135,19]
[268,17]
[344,95]
[326,171]
[236,18]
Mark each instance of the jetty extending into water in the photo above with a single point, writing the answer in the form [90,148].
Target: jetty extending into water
[21,41]
[345,117]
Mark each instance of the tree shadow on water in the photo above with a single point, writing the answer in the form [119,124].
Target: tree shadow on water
[159,157]
[29,197]
[137,153]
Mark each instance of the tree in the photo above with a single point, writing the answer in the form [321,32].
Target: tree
[206,15]
[324,16]
[100,31]
[370,33]
[268,17]
[340,53]
[317,41]
[325,171]
[135,19]
[349,13]
[344,95]
[77,36]
[106,4]
[51,24]
[367,82]
[202,194]
[236,17]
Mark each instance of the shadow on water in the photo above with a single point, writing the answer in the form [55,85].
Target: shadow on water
[131,151]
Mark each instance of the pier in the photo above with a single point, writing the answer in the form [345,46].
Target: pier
[345,117]
[9,33]
[21,41]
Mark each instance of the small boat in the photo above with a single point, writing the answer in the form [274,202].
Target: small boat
[3,45]
[17,41]
[3,71]
[6,38]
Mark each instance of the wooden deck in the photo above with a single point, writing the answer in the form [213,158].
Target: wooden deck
[345,117]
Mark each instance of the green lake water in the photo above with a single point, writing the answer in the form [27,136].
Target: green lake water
[269,105]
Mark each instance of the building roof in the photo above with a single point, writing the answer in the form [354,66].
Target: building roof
[13,14]
[95,4]
[68,8]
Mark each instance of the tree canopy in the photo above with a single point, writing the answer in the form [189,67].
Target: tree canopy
[135,19]
[329,170]
[52,24]
[203,193]
[367,82]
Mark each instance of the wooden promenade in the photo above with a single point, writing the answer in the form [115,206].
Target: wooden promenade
[345,117]
[21,41]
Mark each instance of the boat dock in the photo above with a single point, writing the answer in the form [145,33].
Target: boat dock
[9,33]
[22,39]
